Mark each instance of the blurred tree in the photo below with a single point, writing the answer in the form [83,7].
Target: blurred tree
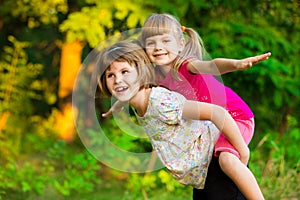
[29,44]
[69,66]
[17,89]
[246,28]
[91,25]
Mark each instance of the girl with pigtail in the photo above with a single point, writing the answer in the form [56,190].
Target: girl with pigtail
[182,65]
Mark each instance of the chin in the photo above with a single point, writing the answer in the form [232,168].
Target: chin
[123,99]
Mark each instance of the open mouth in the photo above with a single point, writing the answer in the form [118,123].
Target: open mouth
[121,89]
[160,54]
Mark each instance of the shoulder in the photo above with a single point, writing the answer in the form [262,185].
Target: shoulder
[168,105]
[161,94]
[185,65]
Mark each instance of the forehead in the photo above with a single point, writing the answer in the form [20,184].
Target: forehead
[161,36]
[119,65]
[149,32]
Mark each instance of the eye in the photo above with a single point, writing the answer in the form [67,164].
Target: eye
[125,72]
[109,75]
[166,40]
[149,44]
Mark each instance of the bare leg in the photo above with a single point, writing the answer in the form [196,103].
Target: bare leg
[240,175]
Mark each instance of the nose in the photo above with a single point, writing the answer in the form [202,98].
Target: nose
[118,78]
[158,46]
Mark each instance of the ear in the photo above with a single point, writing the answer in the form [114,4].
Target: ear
[181,44]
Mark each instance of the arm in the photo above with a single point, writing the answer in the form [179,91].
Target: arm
[116,107]
[223,121]
[224,65]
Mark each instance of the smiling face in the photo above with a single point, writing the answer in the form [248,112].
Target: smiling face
[163,49]
[121,79]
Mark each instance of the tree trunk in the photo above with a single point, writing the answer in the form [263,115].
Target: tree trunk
[70,65]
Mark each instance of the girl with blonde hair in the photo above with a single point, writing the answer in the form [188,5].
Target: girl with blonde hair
[180,62]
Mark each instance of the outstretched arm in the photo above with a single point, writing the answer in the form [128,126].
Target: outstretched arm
[224,65]
[116,107]
[223,121]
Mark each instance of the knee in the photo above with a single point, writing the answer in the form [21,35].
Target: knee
[228,161]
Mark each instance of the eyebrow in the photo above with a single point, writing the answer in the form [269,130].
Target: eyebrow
[123,68]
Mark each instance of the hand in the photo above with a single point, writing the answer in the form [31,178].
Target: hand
[116,107]
[249,62]
[108,113]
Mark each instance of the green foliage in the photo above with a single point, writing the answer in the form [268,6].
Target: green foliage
[18,78]
[62,168]
[111,144]
[169,182]
[34,12]
[176,7]
[77,170]
[24,178]
[138,183]
[279,176]
[102,19]
[125,132]
[150,183]
[18,89]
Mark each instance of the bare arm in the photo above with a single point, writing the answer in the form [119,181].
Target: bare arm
[224,65]
[223,121]
[116,107]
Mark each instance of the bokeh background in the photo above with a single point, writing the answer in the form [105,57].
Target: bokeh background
[43,44]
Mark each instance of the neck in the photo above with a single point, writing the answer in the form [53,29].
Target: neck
[164,69]
[140,101]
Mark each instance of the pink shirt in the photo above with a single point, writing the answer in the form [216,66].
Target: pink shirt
[206,88]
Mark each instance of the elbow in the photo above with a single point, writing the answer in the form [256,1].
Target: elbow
[219,113]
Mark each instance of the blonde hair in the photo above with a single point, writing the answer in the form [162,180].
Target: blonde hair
[158,24]
[129,52]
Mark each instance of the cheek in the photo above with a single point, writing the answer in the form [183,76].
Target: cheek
[174,50]
[133,80]
[149,51]
[109,84]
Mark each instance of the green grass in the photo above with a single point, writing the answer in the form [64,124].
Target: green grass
[277,175]
[104,191]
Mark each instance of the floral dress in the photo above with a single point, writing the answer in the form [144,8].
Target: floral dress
[185,147]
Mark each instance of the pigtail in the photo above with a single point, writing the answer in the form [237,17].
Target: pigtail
[194,47]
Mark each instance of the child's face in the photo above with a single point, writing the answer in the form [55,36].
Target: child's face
[121,79]
[163,49]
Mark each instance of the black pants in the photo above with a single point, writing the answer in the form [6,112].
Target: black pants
[218,186]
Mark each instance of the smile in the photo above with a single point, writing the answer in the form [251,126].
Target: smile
[160,54]
[121,89]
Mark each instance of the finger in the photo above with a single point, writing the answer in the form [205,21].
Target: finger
[268,54]
[265,56]
[260,58]
[107,114]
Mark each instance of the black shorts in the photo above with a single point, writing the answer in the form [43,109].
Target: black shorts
[218,186]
